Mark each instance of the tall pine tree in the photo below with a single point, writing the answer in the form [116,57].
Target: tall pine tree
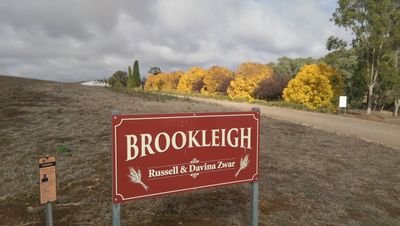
[131,79]
[136,74]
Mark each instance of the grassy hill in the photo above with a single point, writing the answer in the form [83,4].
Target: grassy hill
[307,177]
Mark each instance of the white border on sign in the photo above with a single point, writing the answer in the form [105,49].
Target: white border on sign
[186,189]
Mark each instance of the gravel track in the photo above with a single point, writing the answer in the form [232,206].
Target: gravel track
[377,132]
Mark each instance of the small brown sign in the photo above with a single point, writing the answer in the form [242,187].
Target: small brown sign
[47,173]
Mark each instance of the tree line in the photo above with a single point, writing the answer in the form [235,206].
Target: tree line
[130,80]
[367,71]
[373,59]
[315,85]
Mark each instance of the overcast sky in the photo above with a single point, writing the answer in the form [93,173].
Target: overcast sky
[76,40]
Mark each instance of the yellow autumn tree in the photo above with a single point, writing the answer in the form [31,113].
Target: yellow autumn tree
[248,77]
[314,86]
[192,80]
[154,82]
[217,80]
[166,81]
[171,80]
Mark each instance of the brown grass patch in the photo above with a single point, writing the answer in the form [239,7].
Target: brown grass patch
[307,177]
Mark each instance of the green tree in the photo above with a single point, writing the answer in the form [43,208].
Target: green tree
[131,80]
[335,43]
[290,67]
[396,94]
[389,88]
[136,74]
[345,61]
[155,70]
[371,23]
[395,46]
[356,86]
[119,78]
[383,93]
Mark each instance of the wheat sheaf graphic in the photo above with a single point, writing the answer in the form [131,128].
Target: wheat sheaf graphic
[136,177]
[244,163]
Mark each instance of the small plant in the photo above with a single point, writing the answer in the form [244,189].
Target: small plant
[309,194]
[63,149]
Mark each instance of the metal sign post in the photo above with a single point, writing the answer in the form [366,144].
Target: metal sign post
[48,185]
[49,215]
[159,154]
[116,214]
[254,204]
[116,207]
[254,195]
[168,153]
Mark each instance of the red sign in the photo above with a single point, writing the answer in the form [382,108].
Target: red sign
[169,153]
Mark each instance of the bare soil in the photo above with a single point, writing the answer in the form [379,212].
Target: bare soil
[307,176]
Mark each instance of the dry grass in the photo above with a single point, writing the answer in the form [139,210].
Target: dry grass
[378,116]
[307,177]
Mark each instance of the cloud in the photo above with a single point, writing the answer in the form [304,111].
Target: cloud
[82,40]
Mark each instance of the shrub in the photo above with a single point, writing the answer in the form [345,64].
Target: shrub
[315,86]
[216,80]
[154,83]
[163,81]
[171,80]
[192,80]
[120,76]
[63,149]
[272,87]
[248,78]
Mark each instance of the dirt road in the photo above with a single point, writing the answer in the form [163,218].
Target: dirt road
[377,132]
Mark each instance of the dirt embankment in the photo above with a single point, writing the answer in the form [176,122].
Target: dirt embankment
[307,176]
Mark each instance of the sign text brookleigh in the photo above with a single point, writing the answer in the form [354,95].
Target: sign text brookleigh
[168,153]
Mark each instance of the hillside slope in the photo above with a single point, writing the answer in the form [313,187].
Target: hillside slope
[307,176]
